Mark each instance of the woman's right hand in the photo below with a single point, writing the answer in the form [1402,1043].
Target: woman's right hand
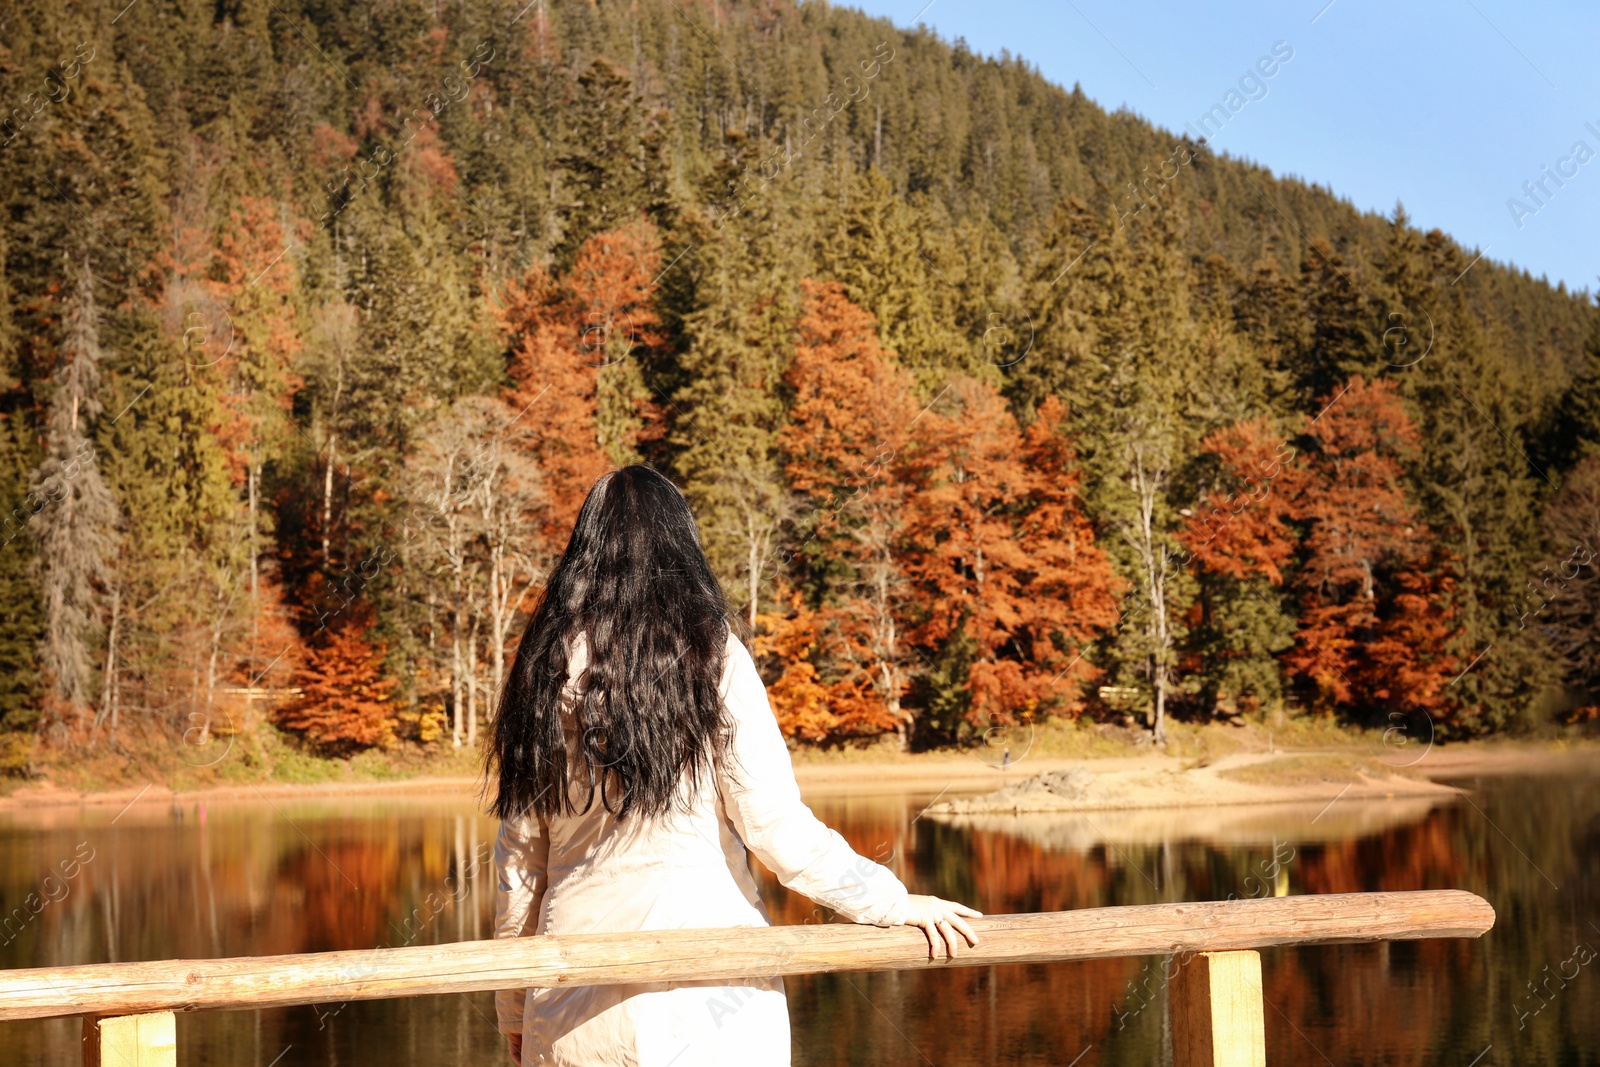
[940,920]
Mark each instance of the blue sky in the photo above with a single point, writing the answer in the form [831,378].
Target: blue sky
[1448,106]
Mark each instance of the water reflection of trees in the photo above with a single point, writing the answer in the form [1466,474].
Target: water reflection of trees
[1433,1002]
[257,880]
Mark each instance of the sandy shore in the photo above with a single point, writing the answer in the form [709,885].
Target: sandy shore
[1144,781]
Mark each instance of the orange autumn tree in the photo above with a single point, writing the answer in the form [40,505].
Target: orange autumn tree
[344,702]
[851,411]
[802,704]
[1242,542]
[575,343]
[1002,560]
[1241,527]
[1070,587]
[1372,584]
[612,282]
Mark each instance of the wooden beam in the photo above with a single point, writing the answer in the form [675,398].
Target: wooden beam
[682,955]
[1217,1011]
[149,1040]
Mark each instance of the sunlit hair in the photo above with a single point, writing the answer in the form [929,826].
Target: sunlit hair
[649,718]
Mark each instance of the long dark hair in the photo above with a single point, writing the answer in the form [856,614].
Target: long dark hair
[635,584]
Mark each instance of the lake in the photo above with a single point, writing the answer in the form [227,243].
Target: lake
[275,876]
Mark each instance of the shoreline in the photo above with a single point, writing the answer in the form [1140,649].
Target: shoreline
[937,775]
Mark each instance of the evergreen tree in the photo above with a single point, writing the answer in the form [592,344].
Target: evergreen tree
[1562,601]
[1475,479]
[613,167]
[1070,279]
[21,625]
[182,557]
[737,342]
[75,528]
[1576,431]
[879,251]
[1338,340]
[1140,414]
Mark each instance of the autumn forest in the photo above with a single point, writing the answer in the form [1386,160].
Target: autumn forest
[318,320]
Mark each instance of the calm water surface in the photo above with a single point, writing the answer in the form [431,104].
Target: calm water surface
[265,877]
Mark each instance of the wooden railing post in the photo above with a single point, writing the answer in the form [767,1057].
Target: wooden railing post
[130,1040]
[1217,1011]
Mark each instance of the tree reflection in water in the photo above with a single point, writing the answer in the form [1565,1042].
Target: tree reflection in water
[259,878]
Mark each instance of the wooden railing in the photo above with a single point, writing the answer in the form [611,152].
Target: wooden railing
[1214,994]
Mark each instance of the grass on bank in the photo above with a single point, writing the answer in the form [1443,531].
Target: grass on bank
[263,754]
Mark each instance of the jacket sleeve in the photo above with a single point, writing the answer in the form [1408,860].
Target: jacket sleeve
[762,800]
[521,858]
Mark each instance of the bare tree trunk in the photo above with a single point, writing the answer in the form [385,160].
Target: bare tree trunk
[458,623]
[497,620]
[254,478]
[327,495]
[108,676]
[755,578]
[455,671]
[253,491]
[472,683]
[218,627]
[1147,486]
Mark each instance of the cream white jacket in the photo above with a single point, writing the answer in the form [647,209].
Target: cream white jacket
[591,873]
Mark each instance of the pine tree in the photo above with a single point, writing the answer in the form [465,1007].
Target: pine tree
[181,558]
[1477,485]
[612,167]
[1338,340]
[21,626]
[76,526]
[1070,280]
[1141,409]
[1576,432]
[878,251]
[1562,601]
[737,341]
[422,340]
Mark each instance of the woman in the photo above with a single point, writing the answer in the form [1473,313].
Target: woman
[638,760]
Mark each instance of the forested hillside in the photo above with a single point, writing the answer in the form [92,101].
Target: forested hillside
[316,321]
